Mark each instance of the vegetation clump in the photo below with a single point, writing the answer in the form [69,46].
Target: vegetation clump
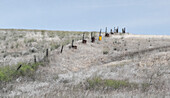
[97,83]
[8,73]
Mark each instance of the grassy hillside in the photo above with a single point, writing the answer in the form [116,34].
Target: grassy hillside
[121,65]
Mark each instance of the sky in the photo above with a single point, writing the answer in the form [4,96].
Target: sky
[138,16]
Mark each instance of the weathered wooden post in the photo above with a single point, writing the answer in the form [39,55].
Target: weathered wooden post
[74,47]
[35,59]
[100,35]
[117,30]
[92,37]
[123,30]
[111,32]
[72,43]
[19,67]
[83,40]
[114,30]
[83,36]
[46,52]
[62,49]
[106,30]
[106,34]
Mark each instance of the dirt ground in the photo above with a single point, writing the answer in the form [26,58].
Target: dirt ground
[140,59]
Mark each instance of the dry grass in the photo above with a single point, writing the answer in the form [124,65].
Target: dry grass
[91,70]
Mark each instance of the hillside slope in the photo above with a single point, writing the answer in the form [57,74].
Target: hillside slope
[122,65]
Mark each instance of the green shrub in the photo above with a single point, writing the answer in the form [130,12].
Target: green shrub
[26,70]
[116,83]
[35,65]
[7,73]
[94,82]
[97,83]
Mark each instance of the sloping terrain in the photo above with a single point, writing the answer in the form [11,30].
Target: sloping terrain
[122,65]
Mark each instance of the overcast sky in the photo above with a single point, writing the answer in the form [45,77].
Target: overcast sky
[138,16]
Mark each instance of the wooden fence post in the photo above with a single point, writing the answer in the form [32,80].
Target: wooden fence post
[92,37]
[117,30]
[72,43]
[106,30]
[123,30]
[35,59]
[106,34]
[100,33]
[46,52]
[74,47]
[83,36]
[83,40]
[111,32]
[114,30]
[62,48]
[19,67]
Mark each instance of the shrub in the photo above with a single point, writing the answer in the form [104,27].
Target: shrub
[7,73]
[116,83]
[25,70]
[94,82]
[97,83]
